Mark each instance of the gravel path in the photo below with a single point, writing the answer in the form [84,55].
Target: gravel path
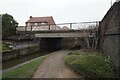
[54,67]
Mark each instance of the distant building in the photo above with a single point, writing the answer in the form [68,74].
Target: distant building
[20,28]
[40,23]
[65,28]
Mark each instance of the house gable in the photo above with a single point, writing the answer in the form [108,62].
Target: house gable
[49,20]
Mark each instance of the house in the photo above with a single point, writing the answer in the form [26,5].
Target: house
[40,23]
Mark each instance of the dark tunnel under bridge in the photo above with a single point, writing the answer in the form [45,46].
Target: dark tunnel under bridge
[50,44]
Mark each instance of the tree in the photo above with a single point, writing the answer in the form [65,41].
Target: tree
[8,26]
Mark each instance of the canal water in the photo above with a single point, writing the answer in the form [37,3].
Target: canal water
[21,59]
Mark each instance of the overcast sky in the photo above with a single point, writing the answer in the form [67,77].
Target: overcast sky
[63,11]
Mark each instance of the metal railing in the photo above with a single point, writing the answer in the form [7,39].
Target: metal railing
[63,26]
[76,26]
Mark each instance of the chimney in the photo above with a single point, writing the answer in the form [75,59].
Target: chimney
[30,17]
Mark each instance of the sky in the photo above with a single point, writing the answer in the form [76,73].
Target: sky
[63,11]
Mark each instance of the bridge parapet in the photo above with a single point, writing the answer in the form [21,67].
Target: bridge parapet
[63,34]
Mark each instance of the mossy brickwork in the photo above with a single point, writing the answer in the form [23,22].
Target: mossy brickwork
[109,39]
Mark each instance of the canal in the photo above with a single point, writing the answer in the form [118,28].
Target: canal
[46,48]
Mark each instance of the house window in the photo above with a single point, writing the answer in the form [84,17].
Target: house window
[42,24]
[36,24]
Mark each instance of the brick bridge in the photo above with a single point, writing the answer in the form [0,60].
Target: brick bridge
[68,34]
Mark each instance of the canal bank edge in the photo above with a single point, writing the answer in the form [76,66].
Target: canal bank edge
[11,54]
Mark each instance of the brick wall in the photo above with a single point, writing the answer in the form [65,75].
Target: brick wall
[109,39]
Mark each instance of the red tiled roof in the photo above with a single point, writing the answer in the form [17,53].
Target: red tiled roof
[48,19]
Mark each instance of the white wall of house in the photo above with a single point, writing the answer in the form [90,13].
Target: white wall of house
[38,28]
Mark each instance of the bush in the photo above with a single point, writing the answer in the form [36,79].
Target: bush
[90,65]
[5,46]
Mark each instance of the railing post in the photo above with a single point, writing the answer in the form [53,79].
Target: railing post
[25,28]
[49,27]
[70,25]
[31,28]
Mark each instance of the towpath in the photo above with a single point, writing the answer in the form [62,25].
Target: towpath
[54,67]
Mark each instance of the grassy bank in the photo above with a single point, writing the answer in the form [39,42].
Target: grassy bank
[90,65]
[24,71]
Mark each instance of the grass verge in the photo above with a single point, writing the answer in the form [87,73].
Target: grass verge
[24,71]
[0,76]
[90,65]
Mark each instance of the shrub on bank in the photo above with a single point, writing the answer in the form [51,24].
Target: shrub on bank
[5,46]
[90,65]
